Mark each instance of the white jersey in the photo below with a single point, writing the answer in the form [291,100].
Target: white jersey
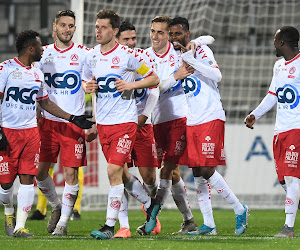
[113,107]
[286,86]
[141,95]
[21,86]
[171,104]
[62,70]
[202,93]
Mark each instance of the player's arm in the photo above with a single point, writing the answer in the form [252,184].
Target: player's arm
[149,106]
[181,73]
[3,140]
[3,79]
[266,104]
[199,41]
[92,133]
[80,121]
[210,72]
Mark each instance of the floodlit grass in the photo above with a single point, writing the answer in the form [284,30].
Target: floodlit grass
[263,224]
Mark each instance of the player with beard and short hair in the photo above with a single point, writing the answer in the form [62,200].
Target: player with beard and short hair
[116,111]
[283,91]
[205,129]
[21,85]
[62,65]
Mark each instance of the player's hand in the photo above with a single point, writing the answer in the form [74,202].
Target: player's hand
[202,40]
[249,121]
[122,85]
[141,121]
[91,86]
[91,134]
[182,72]
[182,48]
[39,118]
[81,121]
[3,141]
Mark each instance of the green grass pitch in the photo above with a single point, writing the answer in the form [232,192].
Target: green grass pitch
[263,224]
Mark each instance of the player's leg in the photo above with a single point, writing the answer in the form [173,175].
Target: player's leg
[77,207]
[41,206]
[180,198]
[124,231]
[6,198]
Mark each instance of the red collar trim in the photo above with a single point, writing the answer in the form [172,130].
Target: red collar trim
[164,54]
[295,58]
[21,64]
[110,51]
[65,50]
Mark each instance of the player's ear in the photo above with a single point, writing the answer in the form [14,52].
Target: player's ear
[115,31]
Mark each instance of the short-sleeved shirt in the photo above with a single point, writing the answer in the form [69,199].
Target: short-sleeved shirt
[113,107]
[21,86]
[285,86]
[62,70]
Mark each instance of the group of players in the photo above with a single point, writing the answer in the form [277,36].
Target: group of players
[156,107]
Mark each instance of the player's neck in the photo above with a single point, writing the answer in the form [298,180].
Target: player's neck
[108,46]
[162,50]
[25,60]
[291,55]
[61,45]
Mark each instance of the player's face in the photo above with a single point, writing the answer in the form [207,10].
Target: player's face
[277,44]
[104,31]
[159,35]
[178,34]
[128,38]
[38,50]
[64,28]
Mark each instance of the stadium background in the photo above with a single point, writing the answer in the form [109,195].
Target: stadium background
[244,31]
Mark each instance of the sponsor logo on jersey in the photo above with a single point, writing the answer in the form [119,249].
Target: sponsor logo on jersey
[24,96]
[124,145]
[78,150]
[208,148]
[191,86]
[288,97]
[140,94]
[291,157]
[68,82]
[107,85]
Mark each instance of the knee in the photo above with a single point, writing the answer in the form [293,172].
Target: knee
[207,172]
[149,180]
[71,176]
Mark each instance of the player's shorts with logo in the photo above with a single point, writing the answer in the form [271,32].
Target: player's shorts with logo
[286,148]
[205,144]
[22,155]
[65,139]
[144,151]
[117,141]
[170,140]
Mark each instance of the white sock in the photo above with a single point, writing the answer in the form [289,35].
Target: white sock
[283,186]
[114,203]
[25,201]
[151,189]
[47,187]
[292,199]
[6,197]
[135,188]
[123,213]
[164,190]
[68,200]
[218,182]
[204,201]
[181,200]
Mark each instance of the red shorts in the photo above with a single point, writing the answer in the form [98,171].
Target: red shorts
[286,148]
[22,155]
[170,140]
[144,151]
[206,144]
[117,141]
[65,139]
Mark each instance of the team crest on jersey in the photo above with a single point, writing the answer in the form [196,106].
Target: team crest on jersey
[74,57]
[288,97]
[17,74]
[116,60]
[171,58]
[292,70]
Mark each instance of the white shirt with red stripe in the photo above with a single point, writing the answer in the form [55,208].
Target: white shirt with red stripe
[285,86]
[62,70]
[21,86]
[202,93]
[172,103]
[141,95]
[113,107]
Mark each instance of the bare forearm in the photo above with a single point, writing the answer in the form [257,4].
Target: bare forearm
[53,109]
